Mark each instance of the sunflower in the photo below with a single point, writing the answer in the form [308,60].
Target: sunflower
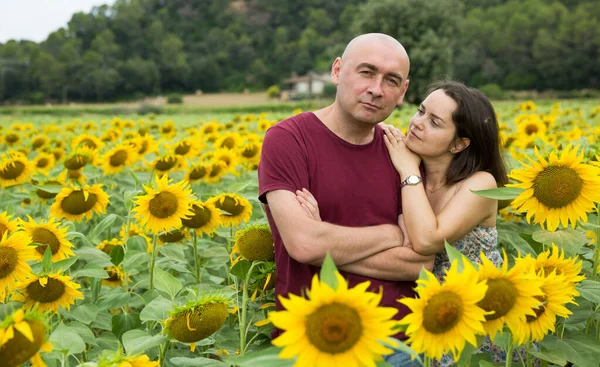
[134,230]
[230,158]
[527,106]
[46,195]
[44,162]
[74,175]
[39,142]
[11,139]
[7,225]
[79,158]
[144,144]
[106,246]
[229,140]
[254,243]
[197,172]
[263,125]
[165,164]
[128,361]
[116,276]
[551,304]
[168,130]
[86,140]
[334,327]
[511,295]
[22,337]
[175,236]
[75,204]
[49,235]
[14,254]
[185,148]
[49,292]
[557,190]
[217,169]
[119,157]
[197,320]
[162,209]
[14,169]
[205,218]
[58,154]
[234,208]
[209,128]
[446,315]
[250,153]
[554,261]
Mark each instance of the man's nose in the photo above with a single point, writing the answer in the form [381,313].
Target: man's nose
[375,87]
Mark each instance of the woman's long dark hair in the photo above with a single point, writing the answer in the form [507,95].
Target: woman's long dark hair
[475,119]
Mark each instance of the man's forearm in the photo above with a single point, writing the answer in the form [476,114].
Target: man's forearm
[350,244]
[399,263]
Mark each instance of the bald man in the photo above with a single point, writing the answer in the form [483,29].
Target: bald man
[338,154]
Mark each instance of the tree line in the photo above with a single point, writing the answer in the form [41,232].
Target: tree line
[148,47]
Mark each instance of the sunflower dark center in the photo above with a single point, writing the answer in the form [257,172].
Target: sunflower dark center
[118,158]
[8,261]
[172,237]
[12,170]
[256,244]
[500,297]
[76,204]
[144,147]
[38,143]
[228,143]
[442,313]
[197,173]
[557,186]
[163,204]
[88,143]
[549,269]
[334,328]
[183,148]
[46,237]
[11,138]
[42,162]
[231,206]
[76,162]
[200,218]
[74,174]
[53,290]
[539,311]
[166,164]
[215,170]
[19,349]
[531,129]
[196,324]
[250,151]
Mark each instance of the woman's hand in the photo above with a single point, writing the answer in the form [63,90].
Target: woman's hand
[308,203]
[405,160]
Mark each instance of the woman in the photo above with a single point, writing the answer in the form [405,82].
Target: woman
[454,135]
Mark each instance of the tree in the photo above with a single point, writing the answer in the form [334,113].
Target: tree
[426,29]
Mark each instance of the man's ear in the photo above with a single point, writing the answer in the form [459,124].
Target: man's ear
[404,88]
[335,70]
[460,144]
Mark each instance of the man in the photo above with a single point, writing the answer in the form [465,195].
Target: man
[339,155]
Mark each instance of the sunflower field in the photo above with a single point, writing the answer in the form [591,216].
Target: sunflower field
[134,242]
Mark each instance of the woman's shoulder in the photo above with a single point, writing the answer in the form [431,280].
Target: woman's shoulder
[480,180]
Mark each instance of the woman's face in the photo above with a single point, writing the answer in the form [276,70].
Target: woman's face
[431,130]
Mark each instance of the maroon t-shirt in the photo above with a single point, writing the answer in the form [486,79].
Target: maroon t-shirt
[355,186]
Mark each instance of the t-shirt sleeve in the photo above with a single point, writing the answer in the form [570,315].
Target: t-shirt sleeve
[283,163]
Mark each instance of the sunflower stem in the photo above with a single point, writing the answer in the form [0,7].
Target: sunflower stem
[597,247]
[154,252]
[163,352]
[244,310]
[196,261]
[509,351]
[427,361]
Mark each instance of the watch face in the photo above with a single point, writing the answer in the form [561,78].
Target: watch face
[413,180]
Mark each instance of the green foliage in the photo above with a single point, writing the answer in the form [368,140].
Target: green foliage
[273,91]
[329,90]
[174,98]
[492,91]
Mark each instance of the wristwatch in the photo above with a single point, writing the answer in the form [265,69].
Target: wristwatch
[411,180]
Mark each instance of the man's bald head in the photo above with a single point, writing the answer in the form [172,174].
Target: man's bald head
[358,45]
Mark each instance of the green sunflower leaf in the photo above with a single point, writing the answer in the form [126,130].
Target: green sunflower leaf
[500,193]
[167,283]
[568,239]
[328,270]
[454,254]
[101,227]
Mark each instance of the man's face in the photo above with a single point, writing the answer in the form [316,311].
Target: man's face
[370,81]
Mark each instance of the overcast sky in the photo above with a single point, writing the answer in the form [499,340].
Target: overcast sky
[35,19]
